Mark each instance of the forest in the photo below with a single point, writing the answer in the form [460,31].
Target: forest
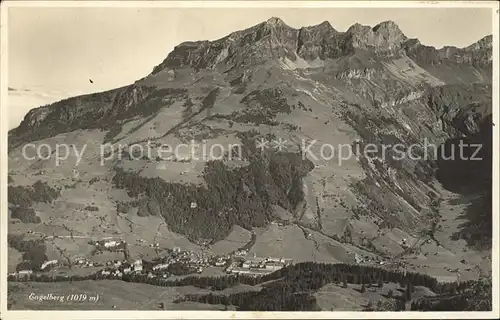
[242,196]
[33,251]
[22,198]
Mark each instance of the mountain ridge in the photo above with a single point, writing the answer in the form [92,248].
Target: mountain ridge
[384,38]
[317,42]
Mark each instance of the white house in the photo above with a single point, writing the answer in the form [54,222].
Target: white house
[253,263]
[358,258]
[137,265]
[25,272]
[110,244]
[273,266]
[138,262]
[240,271]
[161,266]
[137,268]
[241,253]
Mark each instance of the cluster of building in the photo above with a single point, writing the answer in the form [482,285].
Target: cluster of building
[20,273]
[120,268]
[46,266]
[82,262]
[360,259]
[196,262]
[193,260]
[258,266]
[185,261]
[240,253]
[111,245]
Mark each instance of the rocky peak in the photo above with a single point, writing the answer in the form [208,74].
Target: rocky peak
[324,28]
[277,22]
[280,31]
[358,29]
[274,39]
[390,31]
[479,54]
[271,26]
[483,44]
[320,41]
[263,41]
[388,27]
[384,37]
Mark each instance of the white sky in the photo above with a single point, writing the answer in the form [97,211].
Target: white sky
[60,49]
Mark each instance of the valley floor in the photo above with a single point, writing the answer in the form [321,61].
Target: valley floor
[448,259]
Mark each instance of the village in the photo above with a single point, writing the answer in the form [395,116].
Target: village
[171,262]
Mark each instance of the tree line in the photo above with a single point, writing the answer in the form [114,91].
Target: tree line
[302,276]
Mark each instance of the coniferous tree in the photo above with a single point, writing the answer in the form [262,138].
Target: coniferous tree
[401,305]
[408,292]
[390,294]
[369,306]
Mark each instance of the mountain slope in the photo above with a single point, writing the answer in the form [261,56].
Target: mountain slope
[309,86]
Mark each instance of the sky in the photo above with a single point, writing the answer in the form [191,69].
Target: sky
[53,52]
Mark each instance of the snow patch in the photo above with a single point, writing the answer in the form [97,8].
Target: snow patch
[407,126]
[405,69]
[307,92]
[222,55]
[300,63]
